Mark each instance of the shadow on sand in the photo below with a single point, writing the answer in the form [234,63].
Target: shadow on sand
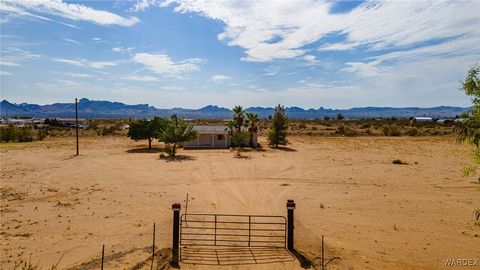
[234,256]
[177,158]
[146,150]
[284,148]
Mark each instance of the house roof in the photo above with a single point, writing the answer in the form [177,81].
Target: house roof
[211,129]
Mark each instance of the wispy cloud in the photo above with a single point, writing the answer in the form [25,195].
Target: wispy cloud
[85,63]
[102,64]
[9,64]
[77,12]
[69,61]
[164,65]
[122,49]
[270,30]
[140,78]
[5,73]
[220,78]
[78,75]
[72,41]
[141,5]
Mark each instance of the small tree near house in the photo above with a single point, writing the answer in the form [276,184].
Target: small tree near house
[278,130]
[175,133]
[146,129]
[238,139]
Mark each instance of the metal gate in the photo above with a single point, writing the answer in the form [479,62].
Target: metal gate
[233,230]
[232,239]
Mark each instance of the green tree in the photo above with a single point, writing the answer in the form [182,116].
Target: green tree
[238,139]
[175,133]
[469,129]
[252,120]
[146,129]
[278,130]
[340,116]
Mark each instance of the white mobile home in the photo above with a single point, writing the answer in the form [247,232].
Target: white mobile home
[214,137]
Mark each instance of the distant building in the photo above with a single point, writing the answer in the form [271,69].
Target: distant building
[214,137]
[423,119]
[444,121]
[70,122]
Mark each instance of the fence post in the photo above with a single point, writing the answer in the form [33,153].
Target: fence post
[103,255]
[290,209]
[176,236]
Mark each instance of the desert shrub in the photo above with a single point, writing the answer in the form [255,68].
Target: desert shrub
[7,134]
[366,125]
[108,131]
[16,134]
[412,132]
[391,131]
[346,131]
[24,134]
[42,134]
[395,131]
[314,128]
[302,126]
[340,130]
[386,130]
[93,126]
[368,131]
[399,162]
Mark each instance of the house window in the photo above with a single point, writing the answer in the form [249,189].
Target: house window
[220,137]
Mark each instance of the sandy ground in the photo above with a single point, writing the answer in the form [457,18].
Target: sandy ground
[374,214]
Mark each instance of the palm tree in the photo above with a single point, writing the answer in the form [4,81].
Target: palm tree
[252,119]
[238,117]
[230,127]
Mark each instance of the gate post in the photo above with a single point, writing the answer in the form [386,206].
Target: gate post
[290,208]
[176,233]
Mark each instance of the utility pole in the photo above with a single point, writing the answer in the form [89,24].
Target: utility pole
[76,122]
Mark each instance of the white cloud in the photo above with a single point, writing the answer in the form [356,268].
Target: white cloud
[141,5]
[270,30]
[16,54]
[69,61]
[338,47]
[69,11]
[311,59]
[72,41]
[102,64]
[271,71]
[7,63]
[78,75]
[4,73]
[363,69]
[171,88]
[164,65]
[220,78]
[122,49]
[140,78]
[85,63]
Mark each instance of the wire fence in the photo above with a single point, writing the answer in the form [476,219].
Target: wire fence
[138,251]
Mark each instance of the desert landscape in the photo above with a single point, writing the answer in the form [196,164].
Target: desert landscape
[58,209]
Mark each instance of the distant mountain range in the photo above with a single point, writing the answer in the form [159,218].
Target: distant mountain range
[107,109]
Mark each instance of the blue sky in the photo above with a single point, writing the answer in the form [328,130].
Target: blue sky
[190,53]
